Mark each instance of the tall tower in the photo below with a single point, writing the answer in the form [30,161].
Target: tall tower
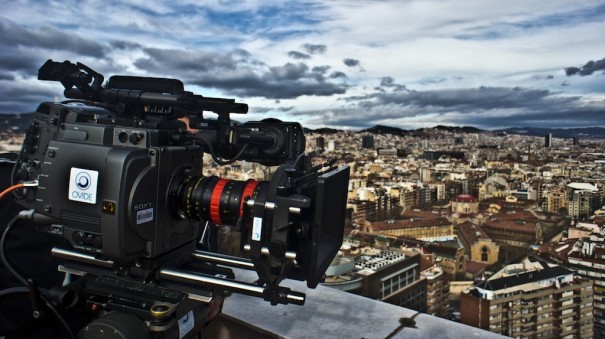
[331,145]
[548,140]
[367,141]
[320,142]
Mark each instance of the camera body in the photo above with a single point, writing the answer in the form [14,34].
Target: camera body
[107,186]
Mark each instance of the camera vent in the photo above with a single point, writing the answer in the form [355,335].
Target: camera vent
[176,239]
[93,221]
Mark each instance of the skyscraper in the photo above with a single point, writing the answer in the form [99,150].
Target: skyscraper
[320,142]
[425,144]
[548,140]
[367,141]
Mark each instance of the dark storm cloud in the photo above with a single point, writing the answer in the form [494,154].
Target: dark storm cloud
[313,49]
[6,76]
[125,45]
[18,70]
[569,116]
[12,59]
[298,55]
[263,110]
[589,68]
[25,49]
[351,62]
[336,75]
[484,98]
[290,71]
[185,61]
[285,82]
[47,37]
[320,69]
[483,107]
[20,98]
[238,74]
[389,82]
[432,81]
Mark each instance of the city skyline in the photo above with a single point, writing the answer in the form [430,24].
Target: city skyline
[345,65]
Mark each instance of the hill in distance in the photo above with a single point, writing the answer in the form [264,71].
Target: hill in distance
[584,132]
[587,132]
[19,122]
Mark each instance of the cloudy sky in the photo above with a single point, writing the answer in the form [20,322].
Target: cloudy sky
[341,64]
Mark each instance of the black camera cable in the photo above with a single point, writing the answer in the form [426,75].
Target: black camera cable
[29,284]
[213,154]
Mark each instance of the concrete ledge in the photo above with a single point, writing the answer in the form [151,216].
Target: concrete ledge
[330,313]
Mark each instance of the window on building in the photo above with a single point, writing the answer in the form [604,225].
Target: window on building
[398,282]
[484,253]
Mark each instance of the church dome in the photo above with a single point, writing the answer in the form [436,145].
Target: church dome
[464,198]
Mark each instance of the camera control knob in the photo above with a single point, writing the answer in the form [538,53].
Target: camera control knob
[78,238]
[87,239]
[123,137]
[135,138]
[24,173]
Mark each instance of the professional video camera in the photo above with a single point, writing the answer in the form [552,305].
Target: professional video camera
[116,172]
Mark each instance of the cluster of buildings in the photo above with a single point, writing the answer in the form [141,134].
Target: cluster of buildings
[457,225]
[12,131]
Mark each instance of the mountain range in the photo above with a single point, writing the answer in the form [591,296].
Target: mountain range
[19,122]
[586,132]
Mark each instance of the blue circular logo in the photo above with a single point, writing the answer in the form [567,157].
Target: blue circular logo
[83,181]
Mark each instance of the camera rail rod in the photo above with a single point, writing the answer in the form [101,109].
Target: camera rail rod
[80,257]
[289,297]
[194,278]
[222,259]
[216,258]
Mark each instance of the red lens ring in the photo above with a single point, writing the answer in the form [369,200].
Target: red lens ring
[250,187]
[215,201]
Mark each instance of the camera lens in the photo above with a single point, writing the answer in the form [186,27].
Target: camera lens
[218,200]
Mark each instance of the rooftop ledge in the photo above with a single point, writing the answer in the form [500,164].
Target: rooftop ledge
[329,313]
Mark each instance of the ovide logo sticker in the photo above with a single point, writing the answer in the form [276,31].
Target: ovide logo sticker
[83,185]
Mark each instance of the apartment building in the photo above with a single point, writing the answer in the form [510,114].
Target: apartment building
[531,300]
[391,276]
[437,291]
[587,257]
